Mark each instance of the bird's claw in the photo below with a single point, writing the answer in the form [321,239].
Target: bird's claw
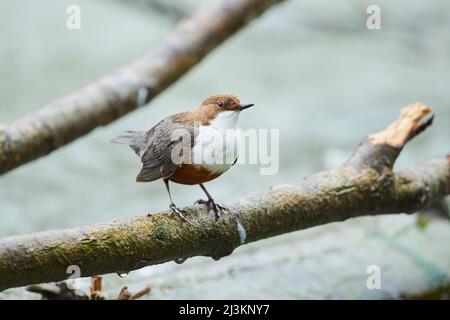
[178,212]
[217,208]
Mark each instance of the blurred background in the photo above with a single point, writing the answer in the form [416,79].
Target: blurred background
[313,70]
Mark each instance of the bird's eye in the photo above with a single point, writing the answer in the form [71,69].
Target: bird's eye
[220,104]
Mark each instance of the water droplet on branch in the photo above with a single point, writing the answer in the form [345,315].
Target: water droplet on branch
[180,260]
[122,274]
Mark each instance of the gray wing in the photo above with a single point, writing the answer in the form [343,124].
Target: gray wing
[162,140]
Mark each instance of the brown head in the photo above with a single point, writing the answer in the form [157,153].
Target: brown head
[221,103]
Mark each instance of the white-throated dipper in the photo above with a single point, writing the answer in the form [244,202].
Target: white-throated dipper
[191,147]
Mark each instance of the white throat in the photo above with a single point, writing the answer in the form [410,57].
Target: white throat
[225,120]
[217,145]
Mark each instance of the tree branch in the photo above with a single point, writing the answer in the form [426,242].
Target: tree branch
[364,185]
[70,117]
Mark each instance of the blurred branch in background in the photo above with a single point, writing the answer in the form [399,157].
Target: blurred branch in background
[62,291]
[364,185]
[175,10]
[128,88]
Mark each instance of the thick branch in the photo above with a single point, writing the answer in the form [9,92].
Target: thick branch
[128,88]
[363,186]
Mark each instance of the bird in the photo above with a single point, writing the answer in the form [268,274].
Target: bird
[191,147]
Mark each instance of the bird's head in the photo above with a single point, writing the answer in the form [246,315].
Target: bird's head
[222,109]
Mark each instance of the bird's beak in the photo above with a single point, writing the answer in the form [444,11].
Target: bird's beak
[245,106]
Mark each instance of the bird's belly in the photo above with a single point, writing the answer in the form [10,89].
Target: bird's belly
[216,150]
[193,174]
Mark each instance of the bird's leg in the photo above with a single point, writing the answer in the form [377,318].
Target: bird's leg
[172,205]
[217,208]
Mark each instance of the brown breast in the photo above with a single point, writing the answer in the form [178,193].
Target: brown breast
[192,174]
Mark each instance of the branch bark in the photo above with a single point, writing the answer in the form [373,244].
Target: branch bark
[70,117]
[364,185]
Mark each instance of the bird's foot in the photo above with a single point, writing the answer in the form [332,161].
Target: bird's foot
[217,208]
[178,212]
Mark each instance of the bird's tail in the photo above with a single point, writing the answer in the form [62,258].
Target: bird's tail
[129,137]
